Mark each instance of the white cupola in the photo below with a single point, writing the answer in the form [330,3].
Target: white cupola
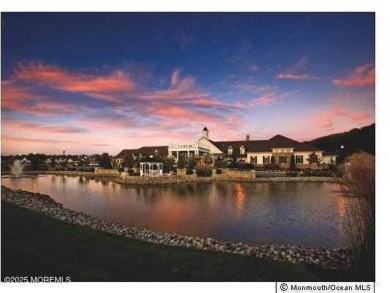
[205,132]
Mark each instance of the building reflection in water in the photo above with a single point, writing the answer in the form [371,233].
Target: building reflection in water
[240,198]
[81,179]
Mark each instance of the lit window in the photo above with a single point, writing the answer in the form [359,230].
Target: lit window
[242,150]
[230,151]
[282,160]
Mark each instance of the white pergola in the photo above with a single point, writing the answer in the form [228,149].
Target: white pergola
[151,169]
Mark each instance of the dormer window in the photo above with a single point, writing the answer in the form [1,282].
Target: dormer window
[230,150]
[242,150]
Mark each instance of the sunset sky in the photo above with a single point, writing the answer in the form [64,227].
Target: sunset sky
[101,82]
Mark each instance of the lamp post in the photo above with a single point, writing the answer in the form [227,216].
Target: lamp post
[342,153]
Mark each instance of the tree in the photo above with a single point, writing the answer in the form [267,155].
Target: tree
[34,160]
[181,163]
[190,163]
[105,161]
[168,164]
[292,163]
[220,163]
[313,158]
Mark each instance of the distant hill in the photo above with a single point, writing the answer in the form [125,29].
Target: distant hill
[356,139]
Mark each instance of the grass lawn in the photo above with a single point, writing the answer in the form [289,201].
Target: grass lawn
[36,245]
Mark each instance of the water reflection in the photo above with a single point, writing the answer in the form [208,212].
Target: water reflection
[240,197]
[302,213]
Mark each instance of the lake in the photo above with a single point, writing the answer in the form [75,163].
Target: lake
[306,213]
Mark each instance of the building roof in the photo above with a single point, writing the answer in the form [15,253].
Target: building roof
[149,150]
[125,152]
[205,129]
[145,150]
[278,141]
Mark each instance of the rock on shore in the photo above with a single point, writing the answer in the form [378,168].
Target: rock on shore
[323,257]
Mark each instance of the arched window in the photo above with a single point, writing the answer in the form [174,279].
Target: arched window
[242,150]
[230,150]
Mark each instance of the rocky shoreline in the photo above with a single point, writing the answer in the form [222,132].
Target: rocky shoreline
[333,258]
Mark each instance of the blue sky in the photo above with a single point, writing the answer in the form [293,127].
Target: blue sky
[123,80]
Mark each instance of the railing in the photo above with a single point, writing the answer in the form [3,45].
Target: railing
[187,146]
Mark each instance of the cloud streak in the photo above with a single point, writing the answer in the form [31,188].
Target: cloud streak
[272,96]
[362,76]
[17,126]
[102,87]
[330,118]
[296,71]
[295,76]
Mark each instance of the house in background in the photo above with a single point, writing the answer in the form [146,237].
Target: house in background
[278,150]
[329,158]
[129,157]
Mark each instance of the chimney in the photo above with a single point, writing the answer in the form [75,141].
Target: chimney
[248,137]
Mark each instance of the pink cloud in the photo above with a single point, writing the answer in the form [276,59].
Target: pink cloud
[183,91]
[212,102]
[178,113]
[295,71]
[97,86]
[175,77]
[105,123]
[25,99]
[17,126]
[180,89]
[249,86]
[33,140]
[362,76]
[295,76]
[360,116]
[207,102]
[338,115]
[272,97]
[264,100]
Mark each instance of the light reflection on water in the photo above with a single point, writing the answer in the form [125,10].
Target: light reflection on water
[290,212]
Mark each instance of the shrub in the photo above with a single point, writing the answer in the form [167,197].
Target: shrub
[271,167]
[292,163]
[204,171]
[360,184]
[220,163]
[292,173]
[241,166]
[317,173]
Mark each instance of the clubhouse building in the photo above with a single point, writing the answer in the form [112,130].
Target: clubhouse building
[278,150]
